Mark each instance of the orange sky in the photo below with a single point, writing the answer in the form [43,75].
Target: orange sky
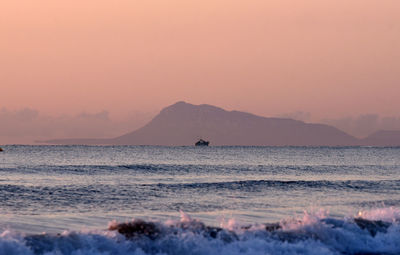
[327,57]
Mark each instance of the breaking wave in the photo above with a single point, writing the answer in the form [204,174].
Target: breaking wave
[369,232]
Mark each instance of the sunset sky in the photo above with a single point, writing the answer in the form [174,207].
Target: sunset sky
[328,58]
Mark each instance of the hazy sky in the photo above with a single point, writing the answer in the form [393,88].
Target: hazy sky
[329,58]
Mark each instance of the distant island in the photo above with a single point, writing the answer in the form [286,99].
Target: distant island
[183,123]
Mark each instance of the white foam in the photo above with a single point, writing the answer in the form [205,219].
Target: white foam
[307,219]
[389,214]
[311,233]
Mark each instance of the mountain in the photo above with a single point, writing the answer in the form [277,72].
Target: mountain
[382,138]
[183,124]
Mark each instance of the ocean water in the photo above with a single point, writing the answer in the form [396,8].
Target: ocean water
[199,200]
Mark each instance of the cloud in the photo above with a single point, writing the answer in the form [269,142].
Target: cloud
[365,124]
[28,125]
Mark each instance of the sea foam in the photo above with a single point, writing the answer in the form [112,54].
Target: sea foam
[370,232]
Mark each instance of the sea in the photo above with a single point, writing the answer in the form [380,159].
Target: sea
[199,200]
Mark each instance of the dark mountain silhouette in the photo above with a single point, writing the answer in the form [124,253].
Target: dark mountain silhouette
[183,124]
[382,138]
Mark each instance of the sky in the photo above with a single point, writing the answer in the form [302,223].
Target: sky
[328,59]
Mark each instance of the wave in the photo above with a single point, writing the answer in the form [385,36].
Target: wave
[108,195]
[189,168]
[8,190]
[245,185]
[370,232]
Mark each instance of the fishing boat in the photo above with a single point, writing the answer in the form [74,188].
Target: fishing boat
[202,142]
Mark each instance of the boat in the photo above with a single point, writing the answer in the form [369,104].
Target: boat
[202,142]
